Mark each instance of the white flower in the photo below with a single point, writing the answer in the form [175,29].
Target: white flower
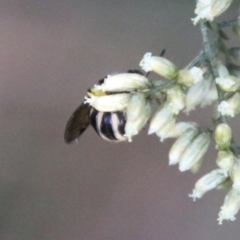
[181,144]
[223,136]
[230,207]
[198,94]
[207,183]
[209,9]
[231,107]
[123,82]
[235,174]
[159,65]
[222,70]
[195,151]
[109,103]
[190,77]
[166,131]
[179,128]
[228,83]
[163,115]
[225,160]
[173,129]
[138,113]
[176,98]
[136,106]
[210,97]
[197,74]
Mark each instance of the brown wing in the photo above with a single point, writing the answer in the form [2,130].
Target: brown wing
[77,123]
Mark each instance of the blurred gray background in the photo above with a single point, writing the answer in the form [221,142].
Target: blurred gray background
[50,53]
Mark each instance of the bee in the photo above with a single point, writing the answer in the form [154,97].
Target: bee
[108,125]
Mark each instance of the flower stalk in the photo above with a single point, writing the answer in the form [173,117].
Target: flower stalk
[122,105]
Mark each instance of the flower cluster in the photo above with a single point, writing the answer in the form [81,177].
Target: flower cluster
[125,92]
[209,9]
[133,93]
[226,79]
[227,174]
[181,90]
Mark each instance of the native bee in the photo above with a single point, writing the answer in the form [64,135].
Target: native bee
[108,125]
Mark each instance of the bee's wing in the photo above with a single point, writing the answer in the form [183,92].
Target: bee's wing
[77,123]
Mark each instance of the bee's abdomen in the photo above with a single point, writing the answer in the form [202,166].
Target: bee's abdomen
[109,125]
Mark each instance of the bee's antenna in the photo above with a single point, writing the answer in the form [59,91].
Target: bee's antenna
[162,52]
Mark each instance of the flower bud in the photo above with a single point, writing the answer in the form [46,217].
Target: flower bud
[228,83]
[165,132]
[195,151]
[181,144]
[235,174]
[207,183]
[210,97]
[136,106]
[222,70]
[179,128]
[109,103]
[159,65]
[231,107]
[196,166]
[138,113]
[163,115]
[225,160]
[190,77]
[230,207]
[176,98]
[210,9]
[199,93]
[223,136]
[123,82]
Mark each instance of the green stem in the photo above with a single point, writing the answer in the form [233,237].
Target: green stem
[201,57]
[197,60]
[212,61]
